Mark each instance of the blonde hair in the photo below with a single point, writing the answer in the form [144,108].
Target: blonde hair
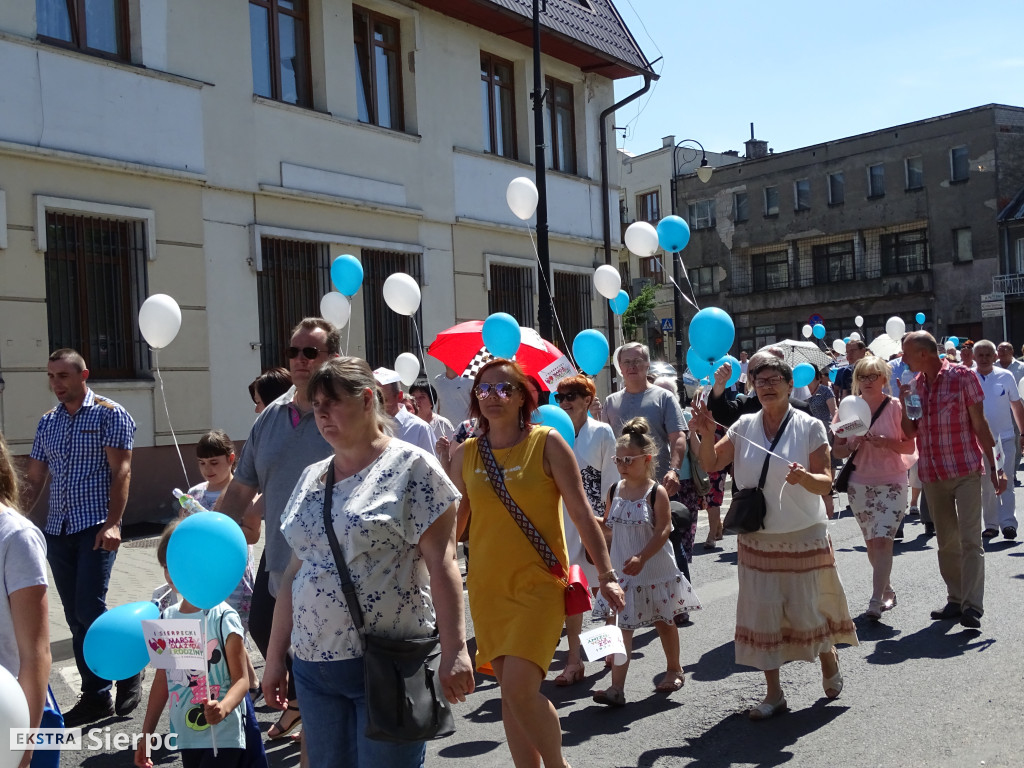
[349,376]
[870,364]
[8,476]
[636,434]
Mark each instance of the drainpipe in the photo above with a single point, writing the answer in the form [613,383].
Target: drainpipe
[606,224]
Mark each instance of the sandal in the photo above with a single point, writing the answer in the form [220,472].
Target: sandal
[833,686]
[672,681]
[764,710]
[874,611]
[283,730]
[611,696]
[571,675]
[889,600]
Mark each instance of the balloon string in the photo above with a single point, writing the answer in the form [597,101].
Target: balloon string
[423,359]
[163,396]
[760,447]
[672,280]
[554,312]
[206,669]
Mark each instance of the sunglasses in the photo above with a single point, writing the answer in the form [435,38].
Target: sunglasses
[870,377]
[628,460]
[503,389]
[310,353]
[568,396]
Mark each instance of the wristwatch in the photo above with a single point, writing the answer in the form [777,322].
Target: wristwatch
[674,469]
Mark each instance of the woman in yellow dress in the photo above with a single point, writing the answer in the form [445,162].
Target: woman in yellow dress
[518,606]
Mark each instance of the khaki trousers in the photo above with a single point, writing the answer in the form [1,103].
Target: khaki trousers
[955,507]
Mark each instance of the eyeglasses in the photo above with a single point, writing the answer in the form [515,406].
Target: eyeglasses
[503,389]
[628,460]
[310,353]
[768,382]
[568,396]
[634,363]
[869,377]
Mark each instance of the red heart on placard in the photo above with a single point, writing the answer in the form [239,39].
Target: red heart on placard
[162,643]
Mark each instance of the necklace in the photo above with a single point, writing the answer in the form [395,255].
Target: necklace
[514,452]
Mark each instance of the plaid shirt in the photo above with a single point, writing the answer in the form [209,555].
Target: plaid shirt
[945,438]
[73,447]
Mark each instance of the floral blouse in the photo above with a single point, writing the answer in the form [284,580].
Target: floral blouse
[379,515]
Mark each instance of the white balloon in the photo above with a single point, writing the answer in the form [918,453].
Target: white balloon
[839,346]
[854,336]
[642,238]
[13,714]
[608,281]
[854,407]
[858,321]
[159,320]
[807,331]
[522,196]
[895,328]
[336,309]
[407,366]
[950,345]
[402,294]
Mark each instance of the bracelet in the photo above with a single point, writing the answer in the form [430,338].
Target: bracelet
[609,575]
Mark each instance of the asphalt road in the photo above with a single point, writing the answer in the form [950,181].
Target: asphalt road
[917,692]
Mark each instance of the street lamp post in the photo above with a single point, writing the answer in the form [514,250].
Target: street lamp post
[544,315]
[704,171]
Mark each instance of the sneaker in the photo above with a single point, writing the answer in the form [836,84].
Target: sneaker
[129,694]
[1009,532]
[914,512]
[89,709]
[971,619]
[989,533]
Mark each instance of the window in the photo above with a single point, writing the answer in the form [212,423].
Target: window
[876,180]
[771,271]
[295,276]
[915,173]
[388,334]
[702,214]
[99,27]
[497,98]
[95,283]
[1019,254]
[958,169]
[802,195]
[279,34]
[648,207]
[836,188]
[624,271]
[573,301]
[766,334]
[512,291]
[560,126]
[963,247]
[703,280]
[378,69]
[740,207]
[904,252]
[833,262]
[771,201]
[650,269]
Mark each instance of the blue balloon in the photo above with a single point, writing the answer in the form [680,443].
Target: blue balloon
[712,333]
[206,558]
[846,340]
[502,334]
[620,303]
[818,330]
[942,356]
[955,340]
[590,348]
[115,646]
[803,374]
[554,417]
[673,233]
[735,365]
[919,317]
[700,366]
[833,372]
[347,274]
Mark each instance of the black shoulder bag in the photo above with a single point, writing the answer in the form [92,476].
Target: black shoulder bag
[842,482]
[404,702]
[749,506]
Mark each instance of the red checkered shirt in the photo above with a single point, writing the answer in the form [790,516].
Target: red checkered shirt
[946,441]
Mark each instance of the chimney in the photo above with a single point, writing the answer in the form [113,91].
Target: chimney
[755,147]
[668,141]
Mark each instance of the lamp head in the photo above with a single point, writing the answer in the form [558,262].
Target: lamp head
[704,171]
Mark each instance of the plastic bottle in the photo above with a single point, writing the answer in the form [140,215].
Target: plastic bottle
[912,404]
[190,505]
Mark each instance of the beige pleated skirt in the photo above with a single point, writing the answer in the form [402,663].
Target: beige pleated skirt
[791,604]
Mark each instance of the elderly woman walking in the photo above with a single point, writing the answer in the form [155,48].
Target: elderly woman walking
[791,605]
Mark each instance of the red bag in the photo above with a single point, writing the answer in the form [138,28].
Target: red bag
[577,591]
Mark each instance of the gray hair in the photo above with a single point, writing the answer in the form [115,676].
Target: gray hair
[667,382]
[986,344]
[642,348]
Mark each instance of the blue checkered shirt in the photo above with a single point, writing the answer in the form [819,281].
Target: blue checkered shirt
[74,449]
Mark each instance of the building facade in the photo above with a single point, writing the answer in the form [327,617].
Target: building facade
[224,153]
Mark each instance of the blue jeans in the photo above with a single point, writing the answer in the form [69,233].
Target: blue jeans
[81,575]
[334,719]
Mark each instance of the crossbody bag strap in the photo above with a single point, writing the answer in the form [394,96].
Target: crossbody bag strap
[775,442]
[874,418]
[347,587]
[498,483]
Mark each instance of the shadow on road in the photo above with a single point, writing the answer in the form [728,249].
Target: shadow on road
[579,726]
[932,642]
[716,664]
[470,749]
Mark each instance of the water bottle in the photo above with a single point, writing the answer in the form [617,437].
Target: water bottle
[912,404]
[190,505]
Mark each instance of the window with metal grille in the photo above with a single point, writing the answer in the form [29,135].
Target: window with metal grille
[833,262]
[95,284]
[650,269]
[498,101]
[388,334]
[378,69]
[770,271]
[573,304]
[648,207]
[904,252]
[279,35]
[97,27]
[295,276]
[512,292]
[560,125]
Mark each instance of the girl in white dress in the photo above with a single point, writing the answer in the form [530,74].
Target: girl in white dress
[656,591]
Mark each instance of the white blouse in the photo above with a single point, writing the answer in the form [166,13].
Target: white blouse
[594,449]
[379,515]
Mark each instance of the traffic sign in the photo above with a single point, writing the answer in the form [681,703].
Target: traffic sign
[667,326]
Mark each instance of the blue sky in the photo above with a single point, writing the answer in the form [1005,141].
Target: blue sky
[807,72]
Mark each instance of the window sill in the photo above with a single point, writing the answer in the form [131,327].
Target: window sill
[741,221]
[771,215]
[962,262]
[914,189]
[959,181]
[876,197]
[491,156]
[313,112]
[801,210]
[121,384]
[840,204]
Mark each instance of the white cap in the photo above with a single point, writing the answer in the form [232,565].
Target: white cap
[386,376]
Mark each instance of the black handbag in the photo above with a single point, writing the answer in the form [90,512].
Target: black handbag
[749,507]
[842,482]
[404,700]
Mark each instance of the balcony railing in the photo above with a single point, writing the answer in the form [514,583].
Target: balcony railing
[1011,285]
